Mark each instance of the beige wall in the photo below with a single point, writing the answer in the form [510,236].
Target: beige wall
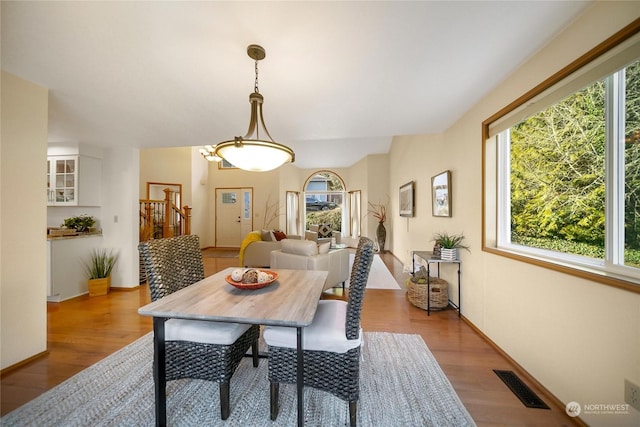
[371,175]
[199,197]
[579,338]
[23,219]
[417,159]
[167,165]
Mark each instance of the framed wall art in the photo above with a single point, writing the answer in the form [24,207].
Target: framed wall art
[224,164]
[406,199]
[441,194]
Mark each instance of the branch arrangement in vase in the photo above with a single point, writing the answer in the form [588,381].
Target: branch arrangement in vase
[378,211]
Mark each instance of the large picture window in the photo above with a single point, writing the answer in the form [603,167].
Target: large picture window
[324,193]
[566,168]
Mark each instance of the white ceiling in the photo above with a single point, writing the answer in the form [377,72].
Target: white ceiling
[347,75]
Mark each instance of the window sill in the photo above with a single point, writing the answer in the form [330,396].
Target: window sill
[596,275]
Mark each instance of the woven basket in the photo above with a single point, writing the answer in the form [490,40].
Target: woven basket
[438,294]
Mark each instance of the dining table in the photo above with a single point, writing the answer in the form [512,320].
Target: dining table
[291,300]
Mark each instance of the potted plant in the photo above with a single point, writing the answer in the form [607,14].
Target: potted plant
[99,267]
[81,223]
[449,244]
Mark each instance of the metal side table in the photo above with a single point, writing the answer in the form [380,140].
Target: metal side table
[429,258]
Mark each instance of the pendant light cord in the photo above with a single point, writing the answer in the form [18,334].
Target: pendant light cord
[255,88]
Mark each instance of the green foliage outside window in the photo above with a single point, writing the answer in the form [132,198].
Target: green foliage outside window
[333,217]
[558,174]
[632,158]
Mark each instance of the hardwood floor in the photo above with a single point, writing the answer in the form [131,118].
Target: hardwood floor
[84,330]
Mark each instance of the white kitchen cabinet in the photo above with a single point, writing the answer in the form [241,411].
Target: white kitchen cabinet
[73,181]
[66,277]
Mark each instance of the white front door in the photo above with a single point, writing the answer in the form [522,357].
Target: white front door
[234,216]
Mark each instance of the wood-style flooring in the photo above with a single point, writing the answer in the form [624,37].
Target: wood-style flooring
[84,330]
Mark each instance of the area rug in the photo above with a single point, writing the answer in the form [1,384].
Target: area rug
[379,276]
[401,384]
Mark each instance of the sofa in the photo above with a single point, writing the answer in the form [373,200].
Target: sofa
[308,255]
[257,246]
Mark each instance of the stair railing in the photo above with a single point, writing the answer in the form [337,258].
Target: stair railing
[162,218]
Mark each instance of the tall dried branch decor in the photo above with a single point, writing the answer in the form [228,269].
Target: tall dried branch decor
[378,211]
[271,212]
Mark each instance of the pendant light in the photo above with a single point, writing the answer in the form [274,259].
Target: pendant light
[256,151]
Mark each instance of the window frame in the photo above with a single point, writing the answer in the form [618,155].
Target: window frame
[495,209]
[344,220]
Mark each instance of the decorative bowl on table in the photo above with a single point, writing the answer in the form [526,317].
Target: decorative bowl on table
[251,278]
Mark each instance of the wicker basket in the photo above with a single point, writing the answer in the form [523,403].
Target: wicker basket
[438,294]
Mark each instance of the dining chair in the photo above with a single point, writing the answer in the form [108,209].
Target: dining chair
[331,344]
[195,349]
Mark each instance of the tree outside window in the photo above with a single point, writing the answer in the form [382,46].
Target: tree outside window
[560,183]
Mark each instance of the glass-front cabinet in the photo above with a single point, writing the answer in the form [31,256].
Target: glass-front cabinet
[73,180]
[62,180]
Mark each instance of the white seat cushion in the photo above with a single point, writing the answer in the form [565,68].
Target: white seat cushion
[326,332]
[203,331]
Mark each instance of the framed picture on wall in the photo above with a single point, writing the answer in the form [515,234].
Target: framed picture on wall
[406,199]
[441,194]
[224,164]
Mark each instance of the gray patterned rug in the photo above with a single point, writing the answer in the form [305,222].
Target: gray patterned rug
[401,384]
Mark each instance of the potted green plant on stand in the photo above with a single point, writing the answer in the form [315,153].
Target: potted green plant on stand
[99,267]
[449,245]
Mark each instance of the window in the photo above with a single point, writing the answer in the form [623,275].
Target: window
[567,170]
[324,200]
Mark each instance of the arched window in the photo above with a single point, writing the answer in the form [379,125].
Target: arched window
[324,195]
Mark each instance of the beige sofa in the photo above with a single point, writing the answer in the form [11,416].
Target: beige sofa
[306,255]
[258,253]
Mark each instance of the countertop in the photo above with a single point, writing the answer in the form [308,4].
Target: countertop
[76,236]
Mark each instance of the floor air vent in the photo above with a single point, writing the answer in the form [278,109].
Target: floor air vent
[520,389]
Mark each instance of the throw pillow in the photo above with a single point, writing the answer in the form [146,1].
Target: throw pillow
[299,247]
[267,236]
[323,248]
[279,235]
[324,230]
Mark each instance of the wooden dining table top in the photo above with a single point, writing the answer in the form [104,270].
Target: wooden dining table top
[289,301]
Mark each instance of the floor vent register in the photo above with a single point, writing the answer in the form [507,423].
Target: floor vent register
[521,390]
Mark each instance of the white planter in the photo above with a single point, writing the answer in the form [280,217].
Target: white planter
[449,254]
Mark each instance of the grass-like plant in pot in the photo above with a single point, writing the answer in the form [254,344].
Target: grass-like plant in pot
[449,245]
[98,268]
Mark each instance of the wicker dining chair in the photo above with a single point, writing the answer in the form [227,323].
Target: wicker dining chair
[195,349]
[331,347]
